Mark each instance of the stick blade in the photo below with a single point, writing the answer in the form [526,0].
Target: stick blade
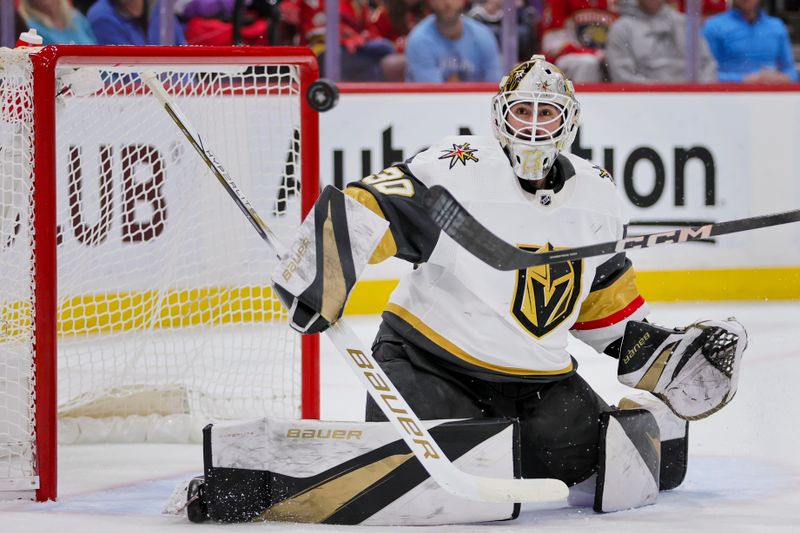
[535,493]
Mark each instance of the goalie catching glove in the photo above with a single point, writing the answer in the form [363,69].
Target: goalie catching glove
[694,370]
[330,249]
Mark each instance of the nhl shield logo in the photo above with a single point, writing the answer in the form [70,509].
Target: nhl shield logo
[544,296]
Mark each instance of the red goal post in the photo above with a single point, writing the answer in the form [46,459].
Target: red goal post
[132,289]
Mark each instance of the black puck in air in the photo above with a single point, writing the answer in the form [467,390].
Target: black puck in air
[322,95]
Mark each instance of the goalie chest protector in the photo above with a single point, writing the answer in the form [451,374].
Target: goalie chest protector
[511,323]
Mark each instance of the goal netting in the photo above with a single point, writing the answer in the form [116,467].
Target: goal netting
[127,276]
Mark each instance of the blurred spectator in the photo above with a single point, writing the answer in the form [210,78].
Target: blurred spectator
[490,13]
[210,22]
[393,20]
[288,16]
[707,7]
[648,44]
[128,22]
[56,21]
[290,21]
[362,48]
[19,25]
[83,5]
[750,46]
[574,36]
[447,46]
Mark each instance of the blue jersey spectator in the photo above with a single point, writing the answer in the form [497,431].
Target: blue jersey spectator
[750,46]
[128,22]
[56,21]
[447,46]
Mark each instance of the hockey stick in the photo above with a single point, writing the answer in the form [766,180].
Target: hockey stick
[547,493]
[455,220]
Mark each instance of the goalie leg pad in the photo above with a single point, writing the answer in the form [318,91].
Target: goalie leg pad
[674,437]
[629,462]
[350,472]
[695,370]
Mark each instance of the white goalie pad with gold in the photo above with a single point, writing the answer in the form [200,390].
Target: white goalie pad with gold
[694,370]
[348,473]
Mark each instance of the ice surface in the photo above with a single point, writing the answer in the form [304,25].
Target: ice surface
[744,467]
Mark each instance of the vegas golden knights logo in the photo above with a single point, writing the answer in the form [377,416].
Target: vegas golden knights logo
[545,295]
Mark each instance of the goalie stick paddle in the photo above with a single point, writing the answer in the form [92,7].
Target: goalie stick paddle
[537,493]
[457,222]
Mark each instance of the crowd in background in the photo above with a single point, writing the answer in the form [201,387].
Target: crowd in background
[640,41]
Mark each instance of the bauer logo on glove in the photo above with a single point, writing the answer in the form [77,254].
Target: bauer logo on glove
[315,278]
[695,371]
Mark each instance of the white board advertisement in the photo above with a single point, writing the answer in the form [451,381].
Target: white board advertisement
[678,158]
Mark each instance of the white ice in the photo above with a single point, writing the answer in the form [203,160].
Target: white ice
[744,467]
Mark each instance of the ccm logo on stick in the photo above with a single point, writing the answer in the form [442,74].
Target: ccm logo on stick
[678,235]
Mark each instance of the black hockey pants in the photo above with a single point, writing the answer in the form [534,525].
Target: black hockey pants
[559,420]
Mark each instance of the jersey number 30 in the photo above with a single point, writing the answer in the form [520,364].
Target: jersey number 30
[391,181]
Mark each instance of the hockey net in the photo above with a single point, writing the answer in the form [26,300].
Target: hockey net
[159,316]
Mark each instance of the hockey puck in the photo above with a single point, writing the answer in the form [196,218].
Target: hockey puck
[322,95]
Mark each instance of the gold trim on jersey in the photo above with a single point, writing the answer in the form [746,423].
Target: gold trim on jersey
[457,352]
[609,300]
[387,247]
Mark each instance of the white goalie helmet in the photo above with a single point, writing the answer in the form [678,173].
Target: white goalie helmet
[535,116]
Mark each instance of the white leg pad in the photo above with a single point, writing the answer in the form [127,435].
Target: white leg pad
[347,473]
[674,437]
[630,460]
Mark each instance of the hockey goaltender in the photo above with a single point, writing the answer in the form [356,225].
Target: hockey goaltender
[480,354]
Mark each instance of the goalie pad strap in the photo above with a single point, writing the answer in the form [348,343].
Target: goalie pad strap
[629,467]
[329,252]
[350,472]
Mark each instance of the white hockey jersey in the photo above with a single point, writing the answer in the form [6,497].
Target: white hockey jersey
[497,324]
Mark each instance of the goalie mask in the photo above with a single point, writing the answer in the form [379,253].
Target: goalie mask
[535,116]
